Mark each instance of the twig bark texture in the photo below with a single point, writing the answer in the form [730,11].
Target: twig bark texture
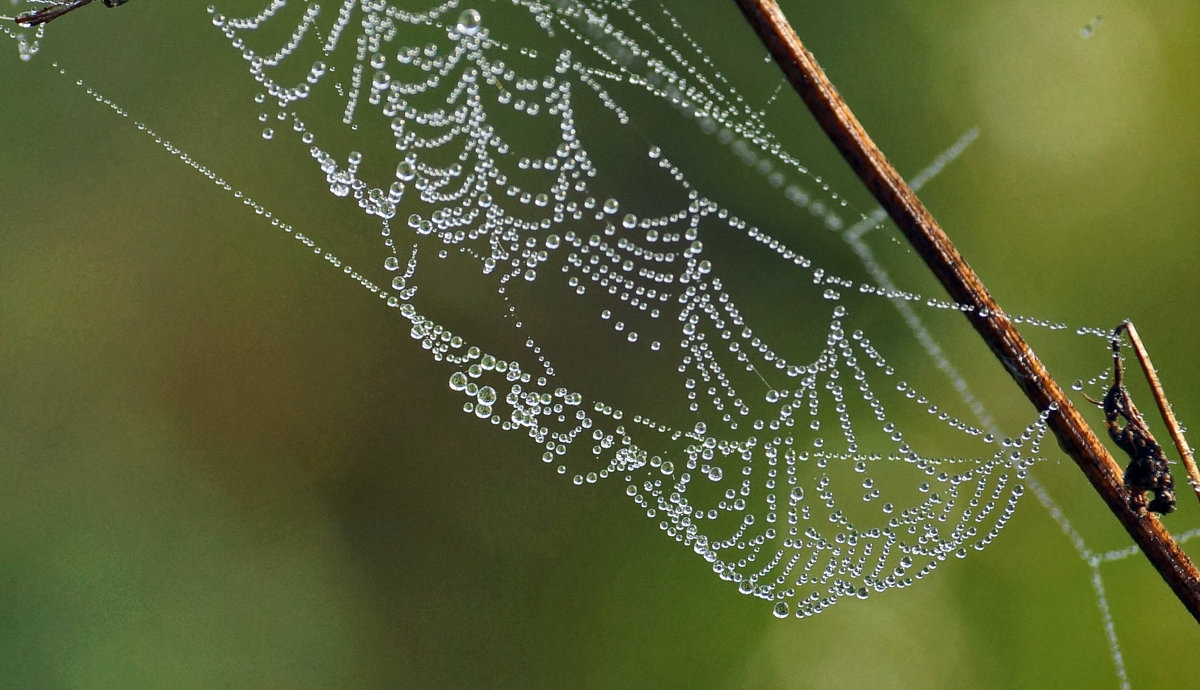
[935,248]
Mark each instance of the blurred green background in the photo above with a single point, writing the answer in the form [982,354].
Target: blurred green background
[226,465]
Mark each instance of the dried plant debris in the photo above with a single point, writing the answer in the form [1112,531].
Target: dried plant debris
[1148,469]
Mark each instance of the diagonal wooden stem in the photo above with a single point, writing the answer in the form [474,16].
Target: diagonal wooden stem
[935,248]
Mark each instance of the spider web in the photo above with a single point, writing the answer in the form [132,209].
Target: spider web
[792,477]
[795,464]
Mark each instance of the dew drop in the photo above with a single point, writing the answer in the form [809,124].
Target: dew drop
[781,609]
[486,395]
[405,170]
[469,22]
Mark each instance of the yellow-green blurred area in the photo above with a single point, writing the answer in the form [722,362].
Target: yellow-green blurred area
[226,465]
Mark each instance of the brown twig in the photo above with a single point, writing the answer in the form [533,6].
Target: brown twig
[51,12]
[935,248]
[1164,407]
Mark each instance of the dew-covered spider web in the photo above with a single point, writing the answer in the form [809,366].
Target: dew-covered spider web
[650,323]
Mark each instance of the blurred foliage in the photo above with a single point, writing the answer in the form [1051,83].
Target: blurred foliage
[226,465]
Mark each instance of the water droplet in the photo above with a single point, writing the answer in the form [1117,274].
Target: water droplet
[405,170]
[469,22]
[486,395]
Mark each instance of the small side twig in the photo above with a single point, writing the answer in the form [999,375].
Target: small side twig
[1164,407]
[997,330]
[49,13]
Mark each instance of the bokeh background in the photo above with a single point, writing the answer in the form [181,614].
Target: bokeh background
[224,464]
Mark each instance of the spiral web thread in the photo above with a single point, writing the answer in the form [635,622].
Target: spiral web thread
[794,483]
